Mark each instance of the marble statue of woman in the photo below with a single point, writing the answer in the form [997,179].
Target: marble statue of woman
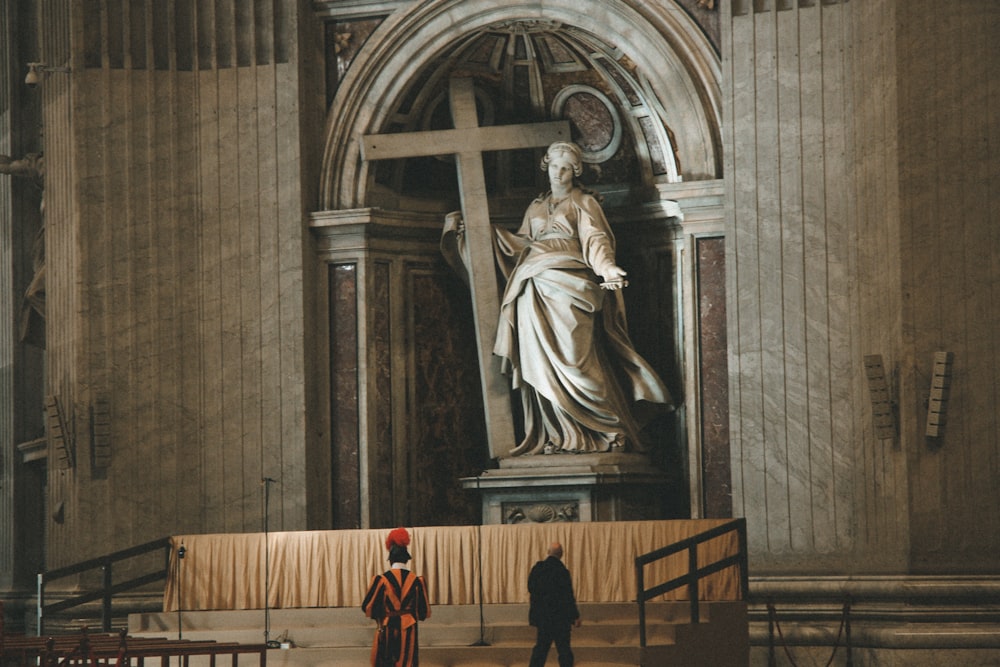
[562,334]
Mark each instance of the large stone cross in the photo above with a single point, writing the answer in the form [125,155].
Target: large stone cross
[467,142]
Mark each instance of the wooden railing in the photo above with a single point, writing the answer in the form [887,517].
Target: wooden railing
[695,571]
[108,587]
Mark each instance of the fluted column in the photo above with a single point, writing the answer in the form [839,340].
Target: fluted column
[7,518]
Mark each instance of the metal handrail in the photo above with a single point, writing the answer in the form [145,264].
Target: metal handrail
[108,588]
[694,573]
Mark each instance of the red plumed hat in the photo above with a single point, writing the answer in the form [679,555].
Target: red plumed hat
[398,537]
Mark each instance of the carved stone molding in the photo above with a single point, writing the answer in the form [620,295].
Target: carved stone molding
[527,25]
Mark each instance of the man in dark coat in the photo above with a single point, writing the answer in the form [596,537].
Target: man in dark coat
[553,608]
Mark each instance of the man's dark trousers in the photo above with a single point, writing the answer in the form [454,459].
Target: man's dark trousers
[548,633]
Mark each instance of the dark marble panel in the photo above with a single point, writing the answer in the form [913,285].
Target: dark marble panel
[714,374]
[637,502]
[448,426]
[651,299]
[386,493]
[557,52]
[520,48]
[344,395]
[656,157]
[483,50]
[592,119]
[645,251]
[522,82]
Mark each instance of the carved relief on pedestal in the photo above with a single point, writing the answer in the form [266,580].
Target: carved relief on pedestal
[555,512]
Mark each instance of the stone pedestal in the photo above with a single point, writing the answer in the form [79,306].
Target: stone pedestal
[571,487]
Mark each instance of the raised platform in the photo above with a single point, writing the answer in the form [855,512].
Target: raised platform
[609,636]
[461,564]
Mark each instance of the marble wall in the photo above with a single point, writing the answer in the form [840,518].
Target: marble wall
[799,448]
[63,350]
[860,224]
[947,189]
[177,249]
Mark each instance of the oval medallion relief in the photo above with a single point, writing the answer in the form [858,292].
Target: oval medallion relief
[594,117]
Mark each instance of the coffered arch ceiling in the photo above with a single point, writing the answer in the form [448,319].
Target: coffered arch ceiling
[644,111]
[532,71]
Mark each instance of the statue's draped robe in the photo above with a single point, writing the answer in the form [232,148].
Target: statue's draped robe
[562,338]
[396,599]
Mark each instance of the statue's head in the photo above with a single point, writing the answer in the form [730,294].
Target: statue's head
[568,151]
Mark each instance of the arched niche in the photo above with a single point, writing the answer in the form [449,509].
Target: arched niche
[383,231]
[670,65]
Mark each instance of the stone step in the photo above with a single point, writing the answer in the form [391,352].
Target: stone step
[492,614]
[453,625]
[609,636]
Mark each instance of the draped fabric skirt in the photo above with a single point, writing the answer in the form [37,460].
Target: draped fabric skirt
[558,350]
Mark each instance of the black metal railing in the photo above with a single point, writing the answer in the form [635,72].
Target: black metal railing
[108,586]
[695,571]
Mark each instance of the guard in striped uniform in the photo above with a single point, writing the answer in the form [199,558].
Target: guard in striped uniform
[396,600]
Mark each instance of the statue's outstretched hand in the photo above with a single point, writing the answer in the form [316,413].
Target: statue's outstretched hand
[614,278]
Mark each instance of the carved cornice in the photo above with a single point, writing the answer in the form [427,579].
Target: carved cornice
[352,9]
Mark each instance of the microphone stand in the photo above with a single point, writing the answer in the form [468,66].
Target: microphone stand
[267,481]
[479,556]
[180,621]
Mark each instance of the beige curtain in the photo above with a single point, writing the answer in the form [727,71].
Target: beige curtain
[333,568]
